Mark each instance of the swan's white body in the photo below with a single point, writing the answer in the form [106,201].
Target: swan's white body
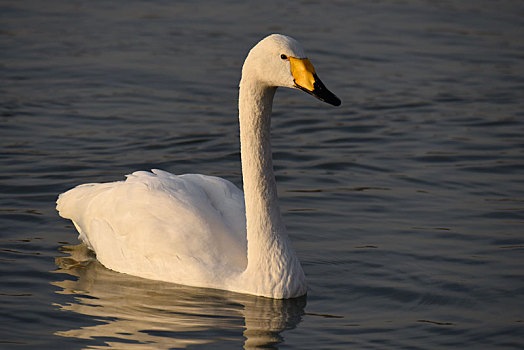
[191,229]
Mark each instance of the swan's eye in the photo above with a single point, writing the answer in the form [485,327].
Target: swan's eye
[284,57]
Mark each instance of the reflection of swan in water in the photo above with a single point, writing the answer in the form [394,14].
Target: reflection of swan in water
[138,312]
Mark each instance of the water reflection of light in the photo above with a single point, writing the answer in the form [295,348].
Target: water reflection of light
[139,312]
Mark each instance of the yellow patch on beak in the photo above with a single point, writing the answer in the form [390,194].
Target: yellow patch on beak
[303,73]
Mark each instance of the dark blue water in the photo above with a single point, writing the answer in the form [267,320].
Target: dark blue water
[405,204]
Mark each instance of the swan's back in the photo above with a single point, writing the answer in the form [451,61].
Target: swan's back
[162,226]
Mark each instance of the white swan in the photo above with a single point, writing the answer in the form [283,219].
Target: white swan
[195,229]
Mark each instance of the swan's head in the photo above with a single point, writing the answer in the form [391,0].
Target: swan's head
[279,60]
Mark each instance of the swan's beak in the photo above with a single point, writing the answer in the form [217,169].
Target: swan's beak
[306,79]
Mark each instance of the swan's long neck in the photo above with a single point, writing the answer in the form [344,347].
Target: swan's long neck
[264,223]
[270,257]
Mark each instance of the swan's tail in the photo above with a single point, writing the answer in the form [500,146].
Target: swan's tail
[74,205]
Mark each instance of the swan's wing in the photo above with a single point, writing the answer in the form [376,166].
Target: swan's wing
[162,226]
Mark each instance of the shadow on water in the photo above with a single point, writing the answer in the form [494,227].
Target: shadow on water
[133,311]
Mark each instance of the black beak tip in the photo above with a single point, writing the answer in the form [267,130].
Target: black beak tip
[334,100]
[322,93]
[327,96]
